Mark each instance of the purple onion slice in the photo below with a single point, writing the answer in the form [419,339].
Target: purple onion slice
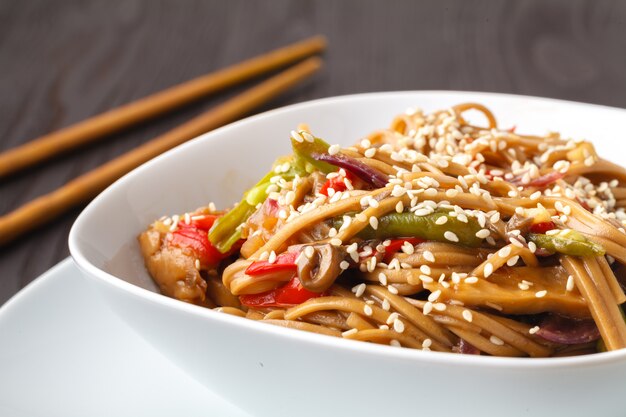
[368,174]
[567,331]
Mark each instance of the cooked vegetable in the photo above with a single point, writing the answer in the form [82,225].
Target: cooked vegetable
[318,269]
[304,150]
[542,227]
[194,237]
[559,329]
[284,262]
[227,229]
[567,242]
[292,293]
[407,224]
[358,168]
[336,183]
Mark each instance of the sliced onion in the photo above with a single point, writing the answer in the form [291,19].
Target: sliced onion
[559,329]
[366,173]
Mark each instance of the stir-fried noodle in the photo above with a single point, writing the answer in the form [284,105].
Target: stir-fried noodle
[434,234]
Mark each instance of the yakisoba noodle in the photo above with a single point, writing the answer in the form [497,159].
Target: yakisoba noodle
[434,234]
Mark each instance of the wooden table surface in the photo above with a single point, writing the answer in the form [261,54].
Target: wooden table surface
[63,61]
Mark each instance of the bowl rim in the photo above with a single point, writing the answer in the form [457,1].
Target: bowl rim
[389,352]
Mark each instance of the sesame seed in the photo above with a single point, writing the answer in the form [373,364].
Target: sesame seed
[471,280]
[394,343]
[309,251]
[426,343]
[533,330]
[296,136]
[532,247]
[467,315]
[483,233]
[335,242]
[428,307]
[392,289]
[488,269]
[392,317]
[535,195]
[399,207]
[374,222]
[570,283]
[349,332]
[197,264]
[368,310]
[430,192]
[540,294]
[398,326]
[272,257]
[382,278]
[513,260]
[386,306]
[307,136]
[434,295]
[370,152]
[344,265]
[441,220]
[425,269]
[451,236]
[504,252]
[264,255]
[359,289]
[428,255]
[439,306]
[496,340]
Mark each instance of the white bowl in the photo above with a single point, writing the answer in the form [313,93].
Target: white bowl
[275,371]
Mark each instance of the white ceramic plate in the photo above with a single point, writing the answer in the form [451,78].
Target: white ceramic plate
[62,353]
[250,362]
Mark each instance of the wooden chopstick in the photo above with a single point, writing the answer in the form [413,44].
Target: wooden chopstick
[156,104]
[82,189]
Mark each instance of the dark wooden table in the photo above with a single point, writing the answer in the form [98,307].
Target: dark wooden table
[63,61]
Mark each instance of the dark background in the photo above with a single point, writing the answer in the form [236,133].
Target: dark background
[62,61]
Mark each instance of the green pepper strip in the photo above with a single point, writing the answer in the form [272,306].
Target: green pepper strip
[304,160]
[227,231]
[568,243]
[407,224]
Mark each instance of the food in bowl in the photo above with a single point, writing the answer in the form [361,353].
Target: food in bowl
[434,234]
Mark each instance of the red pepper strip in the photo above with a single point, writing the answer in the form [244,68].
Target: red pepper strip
[542,227]
[336,183]
[197,240]
[542,181]
[512,129]
[284,262]
[396,245]
[288,295]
